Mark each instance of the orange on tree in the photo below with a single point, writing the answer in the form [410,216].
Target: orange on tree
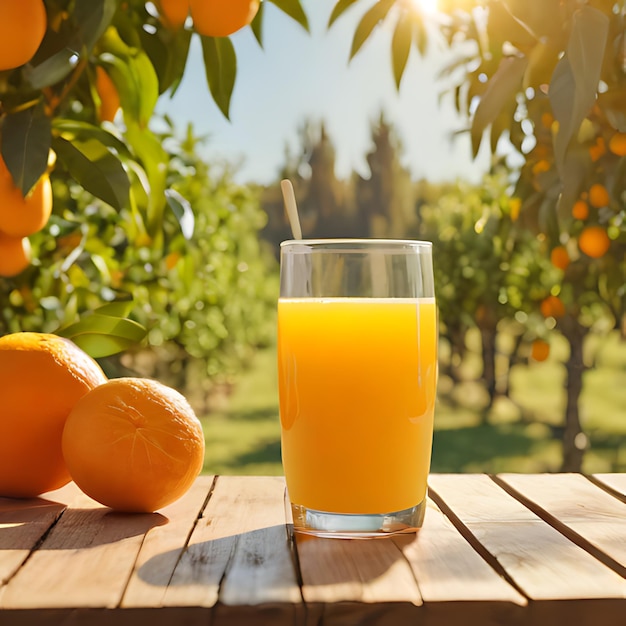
[617,144]
[540,350]
[133,444]
[559,257]
[108,94]
[594,241]
[173,12]
[598,196]
[552,306]
[22,216]
[580,210]
[14,254]
[216,18]
[22,28]
[42,376]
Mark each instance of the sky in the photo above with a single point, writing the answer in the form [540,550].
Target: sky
[298,76]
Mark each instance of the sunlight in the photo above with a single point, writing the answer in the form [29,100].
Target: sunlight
[426,7]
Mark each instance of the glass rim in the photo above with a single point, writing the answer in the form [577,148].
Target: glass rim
[360,242]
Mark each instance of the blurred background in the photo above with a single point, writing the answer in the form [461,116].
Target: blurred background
[441,121]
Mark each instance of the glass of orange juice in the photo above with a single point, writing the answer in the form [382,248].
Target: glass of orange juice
[357,365]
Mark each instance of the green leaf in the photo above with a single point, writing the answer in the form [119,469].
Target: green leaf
[168,52]
[220,64]
[502,86]
[339,9]
[96,169]
[137,83]
[26,138]
[119,308]
[83,131]
[294,10]
[401,46]
[257,24]
[369,21]
[181,207]
[574,84]
[91,17]
[103,335]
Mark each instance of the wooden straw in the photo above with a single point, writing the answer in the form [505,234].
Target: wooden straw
[289,197]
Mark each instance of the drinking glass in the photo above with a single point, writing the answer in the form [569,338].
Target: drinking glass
[357,369]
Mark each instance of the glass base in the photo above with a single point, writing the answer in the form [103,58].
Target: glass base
[352,526]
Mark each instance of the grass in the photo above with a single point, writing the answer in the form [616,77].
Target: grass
[517,435]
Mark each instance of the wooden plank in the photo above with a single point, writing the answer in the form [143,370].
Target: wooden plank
[239,553]
[24,522]
[85,560]
[573,503]
[538,559]
[617,482]
[163,546]
[448,569]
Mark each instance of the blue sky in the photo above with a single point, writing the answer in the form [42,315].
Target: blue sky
[298,76]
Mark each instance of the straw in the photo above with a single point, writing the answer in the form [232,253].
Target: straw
[289,197]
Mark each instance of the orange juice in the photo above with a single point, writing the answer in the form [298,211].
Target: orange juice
[357,384]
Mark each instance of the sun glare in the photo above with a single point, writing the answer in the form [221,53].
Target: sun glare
[427,7]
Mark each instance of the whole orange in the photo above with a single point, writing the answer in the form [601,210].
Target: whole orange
[580,210]
[540,350]
[598,196]
[216,18]
[594,241]
[22,28]
[41,378]
[22,216]
[14,254]
[133,444]
[552,306]
[559,257]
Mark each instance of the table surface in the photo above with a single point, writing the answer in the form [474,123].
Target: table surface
[506,549]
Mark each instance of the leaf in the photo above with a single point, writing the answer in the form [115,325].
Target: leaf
[368,22]
[91,18]
[401,46]
[118,308]
[421,35]
[82,131]
[339,9]
[181,207]
[26,138]
[502,86]
[257,24]
[137,83]
[574,84]
[294,10]
[103,335]
[168,52]
[96,169]
[220,64]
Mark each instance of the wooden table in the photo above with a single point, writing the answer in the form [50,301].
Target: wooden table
[508,549]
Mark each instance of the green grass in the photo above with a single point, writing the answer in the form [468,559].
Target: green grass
[516,436]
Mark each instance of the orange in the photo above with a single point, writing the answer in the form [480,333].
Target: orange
[133,444]
[14,254]
[552,306]
[216,18]
[22,216]
[617,144]
[598,149]
[22,28]
[598,196]
[41,378]
[559,257]
[109,96]
[540,350]
[594,241]
[580,210]
[174,12]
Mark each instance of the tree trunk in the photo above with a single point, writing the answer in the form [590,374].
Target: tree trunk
[488,339]
[574,440]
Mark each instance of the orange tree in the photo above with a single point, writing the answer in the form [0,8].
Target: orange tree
[548,80]
[121,225]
